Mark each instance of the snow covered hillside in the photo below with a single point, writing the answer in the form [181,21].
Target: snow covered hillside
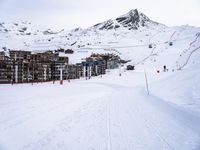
[111,112]
[129,35]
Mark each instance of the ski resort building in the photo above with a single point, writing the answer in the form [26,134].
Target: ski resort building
[6,68]
[25,66]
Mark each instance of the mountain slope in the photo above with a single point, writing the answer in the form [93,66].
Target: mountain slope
[112,111]
[128,35]
[132,21]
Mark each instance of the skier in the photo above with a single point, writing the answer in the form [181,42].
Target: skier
[165,68]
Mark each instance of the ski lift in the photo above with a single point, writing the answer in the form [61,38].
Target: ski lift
[150,46]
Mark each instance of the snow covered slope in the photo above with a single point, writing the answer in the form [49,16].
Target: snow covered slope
[128,35]
[19,35]
[111,112]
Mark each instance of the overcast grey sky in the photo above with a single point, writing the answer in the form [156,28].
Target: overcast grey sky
[70,14]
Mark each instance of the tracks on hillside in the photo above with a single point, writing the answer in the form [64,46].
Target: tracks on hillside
[190,51]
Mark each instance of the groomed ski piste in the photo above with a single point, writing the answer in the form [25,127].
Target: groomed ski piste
[111,112]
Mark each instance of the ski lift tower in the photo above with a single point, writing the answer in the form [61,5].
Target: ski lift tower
[16,69]
[120,69]
[61,68]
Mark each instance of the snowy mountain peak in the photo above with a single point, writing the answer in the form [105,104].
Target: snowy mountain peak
[131,21]
[133,12]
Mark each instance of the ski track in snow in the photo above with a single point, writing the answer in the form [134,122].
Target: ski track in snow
[122,118]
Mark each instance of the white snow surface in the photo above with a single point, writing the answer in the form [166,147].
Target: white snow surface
[111,112]
[108,112]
